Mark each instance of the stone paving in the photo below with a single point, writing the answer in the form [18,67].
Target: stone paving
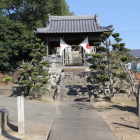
[79,121]
[69,120]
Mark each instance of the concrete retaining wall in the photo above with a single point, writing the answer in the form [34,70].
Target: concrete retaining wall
[6,92]
[4,114]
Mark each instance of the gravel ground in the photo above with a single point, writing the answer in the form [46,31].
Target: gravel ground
[121,117]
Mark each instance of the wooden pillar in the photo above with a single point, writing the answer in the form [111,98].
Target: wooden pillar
[84,56]
[47,47]
[63,58]
[20,105]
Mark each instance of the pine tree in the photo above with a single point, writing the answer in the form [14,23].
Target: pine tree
[34,77]
[108,59]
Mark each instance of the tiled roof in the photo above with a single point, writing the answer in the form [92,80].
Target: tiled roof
[73,24]
[135,53]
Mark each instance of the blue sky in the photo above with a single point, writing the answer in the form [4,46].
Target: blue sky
[124,15]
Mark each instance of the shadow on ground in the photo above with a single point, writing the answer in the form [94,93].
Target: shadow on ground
[81,100]
[82,106]
[125,125]
[122,108]
[126,108]
[10,137]
[12,127]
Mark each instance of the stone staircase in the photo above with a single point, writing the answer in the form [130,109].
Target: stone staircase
[73,86]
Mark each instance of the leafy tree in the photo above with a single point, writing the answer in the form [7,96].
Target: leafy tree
[108,59]
[34,13]
[18,18]
[13,36]
[34,77]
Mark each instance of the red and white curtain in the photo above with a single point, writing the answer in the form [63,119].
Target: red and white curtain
[63,45]
[84,44]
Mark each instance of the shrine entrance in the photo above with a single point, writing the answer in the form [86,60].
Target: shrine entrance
[74,56]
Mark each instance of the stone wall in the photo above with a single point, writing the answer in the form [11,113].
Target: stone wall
[6,92]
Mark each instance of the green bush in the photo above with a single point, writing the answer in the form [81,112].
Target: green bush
[115,35]
[14,95]
[25,66]
[122,75]
[121,48]
[96,43]
[34,73]
[107,34]
[94,66]
[124,58]
[101,49]
[122,44]
[115,46]
[117,88]
[45,62]
[118,39]
[42,46]
[35,61]
[122,91]
[98,55]
[7,79]
[90,60]
[32,55]
[45,74]
[40,65]
[102,67]
[102,78]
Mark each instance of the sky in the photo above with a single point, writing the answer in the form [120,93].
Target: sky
[124,15]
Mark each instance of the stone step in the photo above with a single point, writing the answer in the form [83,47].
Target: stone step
[74,84]
[75,99]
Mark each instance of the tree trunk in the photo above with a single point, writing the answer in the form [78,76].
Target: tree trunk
[111,98]
[111,88]
[138,100]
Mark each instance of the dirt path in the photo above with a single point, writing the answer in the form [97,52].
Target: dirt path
[121,117]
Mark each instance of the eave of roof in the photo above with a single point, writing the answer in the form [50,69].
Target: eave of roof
[73,24]
[135,53]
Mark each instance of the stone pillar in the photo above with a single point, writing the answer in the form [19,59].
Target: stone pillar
[20,105]
[4,113]
[1,122]
[53,60]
